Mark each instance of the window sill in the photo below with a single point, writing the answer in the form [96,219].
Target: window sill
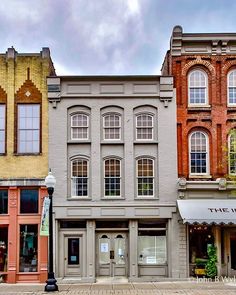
[145,142]
[110,142]
[27,154]
[146,198]
[206,108]
[75,198]
[86,141]
[112,198]
[200,176]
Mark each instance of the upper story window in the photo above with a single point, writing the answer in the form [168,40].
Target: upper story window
[232,88]
[232,153]
[3,202]
[2,128]
[197,88]
[112,178]
[198,156]
[144,127]
[79,178]
[79,126]
[28,133]
[145,177]
[112,127]
[29,201]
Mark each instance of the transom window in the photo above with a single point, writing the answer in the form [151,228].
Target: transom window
[145,177]
[144,127]
[2,128]
[112,126]
[232,153]
[28,128]
[197,87]
[198,153]
[112,177]
[232,87]
[79,126]
[79,178]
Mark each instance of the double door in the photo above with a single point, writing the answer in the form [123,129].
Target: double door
[111,254]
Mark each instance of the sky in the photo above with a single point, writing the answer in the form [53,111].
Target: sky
[107,37]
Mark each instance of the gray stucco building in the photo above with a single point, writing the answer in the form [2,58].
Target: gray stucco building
[112,149]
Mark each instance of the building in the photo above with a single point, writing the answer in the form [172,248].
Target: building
[23,163]
[112,149]
[204,70]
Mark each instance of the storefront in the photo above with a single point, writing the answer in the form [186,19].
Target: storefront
[210,222]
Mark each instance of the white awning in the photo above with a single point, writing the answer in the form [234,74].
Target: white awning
[208,211]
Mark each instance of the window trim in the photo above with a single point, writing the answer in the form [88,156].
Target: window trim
[104,128]
[136,126]
[72,196]
[228,103]
[229,153]
[207,154]
[71,127]
[4,130]
[104,178]
[153,177]
[206,89]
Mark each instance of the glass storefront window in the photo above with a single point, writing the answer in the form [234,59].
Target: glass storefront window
[29,201]
[199,237]
[3,202]
[28,247]
[3,248]
[152,247]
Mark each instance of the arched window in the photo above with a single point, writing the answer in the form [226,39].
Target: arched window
[79,178]
[112,127]
[232,88]
[144,127]
[232,152]
[198,156]
[145,177]
[112,177]
[79,126]
[197,88]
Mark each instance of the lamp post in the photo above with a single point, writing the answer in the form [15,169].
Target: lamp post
[51,285]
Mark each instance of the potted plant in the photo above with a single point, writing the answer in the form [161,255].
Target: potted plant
[211,268]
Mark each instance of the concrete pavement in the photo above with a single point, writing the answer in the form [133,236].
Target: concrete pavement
[155,288]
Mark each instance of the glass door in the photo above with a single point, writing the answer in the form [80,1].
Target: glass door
[72,256]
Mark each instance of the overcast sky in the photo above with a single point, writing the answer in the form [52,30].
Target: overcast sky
[100,37]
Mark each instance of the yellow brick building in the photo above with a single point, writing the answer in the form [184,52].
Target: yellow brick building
[23,163]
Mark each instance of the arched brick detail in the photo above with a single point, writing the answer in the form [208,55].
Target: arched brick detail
[198,61]
[3,95]
[227,66]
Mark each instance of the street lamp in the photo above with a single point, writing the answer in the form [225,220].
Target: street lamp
[51,285]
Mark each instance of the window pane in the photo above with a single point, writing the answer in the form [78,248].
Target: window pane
[144,126]
[197,87]
[152,249]
[3,202]
[232,154]
[3,248]
[2,128]
[79,180]
[112,177]
[29,201]
[145,177]
[28,128]
[111,126]
[198,153]
[28,248]
[73,251]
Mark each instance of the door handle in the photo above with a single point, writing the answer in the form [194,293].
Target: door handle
[65,258]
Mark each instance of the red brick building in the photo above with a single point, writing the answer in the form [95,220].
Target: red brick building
[204,70]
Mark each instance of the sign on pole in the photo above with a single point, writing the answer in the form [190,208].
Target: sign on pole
[44,227]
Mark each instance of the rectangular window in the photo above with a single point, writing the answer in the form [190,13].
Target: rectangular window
[29,201]
[112,127]
[2,128]
[79,179]
[112,178]
[145,177]
[152,247]
[28,247]
[79,127]
[28,132]
[3,201]
[3,248]
[144,127]
[73,251]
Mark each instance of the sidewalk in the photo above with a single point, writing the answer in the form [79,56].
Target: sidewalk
[159,288]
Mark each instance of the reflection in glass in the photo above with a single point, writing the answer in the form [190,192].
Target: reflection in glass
[29,201]
[28,247]
[3,248]
[73,251]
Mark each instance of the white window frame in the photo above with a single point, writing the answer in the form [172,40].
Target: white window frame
[111,127]
[231,153]
[19,150]
[3,130]
[73,178]
[233,72]
[79,126]
[104,175]
[207,153]
[194,104]
[153,177]
[144,127]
